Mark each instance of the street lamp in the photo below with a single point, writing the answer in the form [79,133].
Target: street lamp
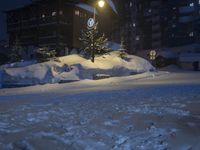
[101,4]
[92,22]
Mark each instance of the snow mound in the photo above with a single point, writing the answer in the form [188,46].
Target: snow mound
[72,59]
[113,60]
[19,64]
[73,68]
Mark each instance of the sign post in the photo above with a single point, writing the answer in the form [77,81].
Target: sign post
[90,23]
[152,54]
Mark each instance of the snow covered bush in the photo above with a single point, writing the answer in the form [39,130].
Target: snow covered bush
[44,54]
[122,49]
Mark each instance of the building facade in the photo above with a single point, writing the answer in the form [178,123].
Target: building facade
[156,24]
[182,22]
[47,23]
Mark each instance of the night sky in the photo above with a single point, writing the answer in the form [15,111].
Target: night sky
[6,5]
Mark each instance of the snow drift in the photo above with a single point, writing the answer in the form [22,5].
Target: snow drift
[73,68]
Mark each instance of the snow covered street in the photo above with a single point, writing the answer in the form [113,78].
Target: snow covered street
[150,111]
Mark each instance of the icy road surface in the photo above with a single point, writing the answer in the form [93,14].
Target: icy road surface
[157,113]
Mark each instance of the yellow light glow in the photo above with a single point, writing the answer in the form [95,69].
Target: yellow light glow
[101,3]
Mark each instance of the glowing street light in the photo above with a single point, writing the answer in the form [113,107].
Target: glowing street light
[92,22]
[101,3]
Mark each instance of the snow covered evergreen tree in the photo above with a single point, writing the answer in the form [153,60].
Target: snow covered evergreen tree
[93,42]
[122,49]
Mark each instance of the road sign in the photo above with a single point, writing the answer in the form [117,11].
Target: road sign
[90,22]
[152,54]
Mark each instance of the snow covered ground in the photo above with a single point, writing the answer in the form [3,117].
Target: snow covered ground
[160,112]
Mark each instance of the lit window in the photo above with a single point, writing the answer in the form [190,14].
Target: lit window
[131,4]
[137,38]
[43,15]
[191,34]
[61,12]
[53,13]
[191,4]
[174,25]
[77,13]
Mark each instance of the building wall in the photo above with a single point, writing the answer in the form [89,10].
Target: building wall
[155,24]
[126,28]
[54,24]
[182,22]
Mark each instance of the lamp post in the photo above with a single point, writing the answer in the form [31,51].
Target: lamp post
[100,3]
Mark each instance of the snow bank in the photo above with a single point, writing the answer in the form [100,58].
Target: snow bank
[73,68]
[19,64]
[114,65]
[72,59]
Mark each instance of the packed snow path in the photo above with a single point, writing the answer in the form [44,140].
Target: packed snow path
[156,113]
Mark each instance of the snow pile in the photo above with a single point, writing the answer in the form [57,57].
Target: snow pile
[19,64]
[48,72]
[72,59]
[113,65]
[73,68]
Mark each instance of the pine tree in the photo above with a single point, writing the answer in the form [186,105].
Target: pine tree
[93,43]
[122,49]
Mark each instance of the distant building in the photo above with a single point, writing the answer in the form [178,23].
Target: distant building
[127,28]
[54,24]
[49,23]
[154,24]
[140,24]
[182,22]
